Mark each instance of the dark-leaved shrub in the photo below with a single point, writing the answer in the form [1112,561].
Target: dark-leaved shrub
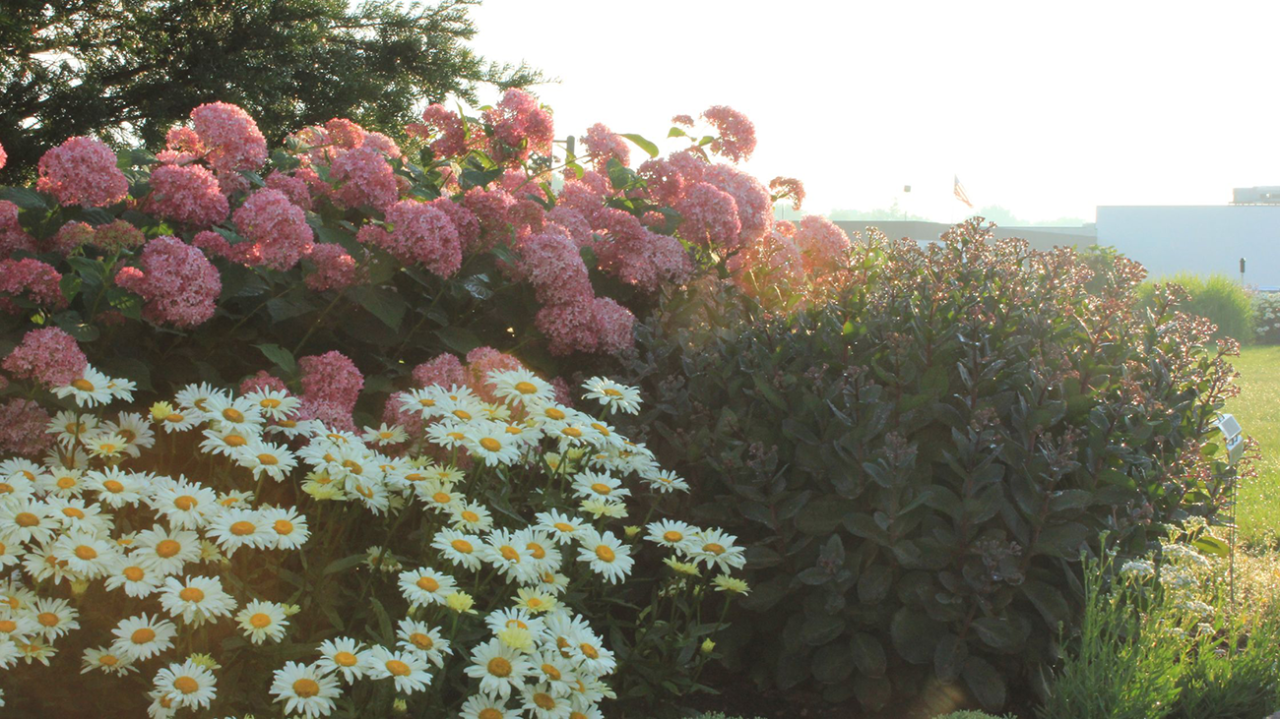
[1217,297]
[917,463]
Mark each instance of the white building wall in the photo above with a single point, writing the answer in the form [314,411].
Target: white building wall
[1200,239]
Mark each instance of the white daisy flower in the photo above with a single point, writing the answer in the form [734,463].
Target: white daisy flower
[425,640]
[11,553]
[385,435]
[665,481]
[37,650]
[226,441]
[62,483]
[197,396]
[345,656]
[483,706]
[541,702]
[612,395]
[472,516]
[76,516]
[165,551]
[535,601]
[594,485]
[305,689]
[104,660]
[262,620]
[606,555]
[273,460]
[563,528]
[522,386]
[185,505]
[196,599]
[55,617]
[69,427]
[505,553]
[289,527]
[188,685]
[514,618]
[717,549]
[671,533]
[91,389]
[490,443]
[86,554]
[17,485]
[425,586]
[541,550]
[236,528]
[499,668]
[141,637]
[273,403]
[24,520]
[459,548]
[121,388]
[407,669]
[439,496]
[136,580]
[136,431]
[179,420]
[116,488]
[41,565]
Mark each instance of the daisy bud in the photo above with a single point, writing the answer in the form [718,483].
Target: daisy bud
[400,706]
[161,410]
[79,586]
[708,646]
[631,531]
[460,602]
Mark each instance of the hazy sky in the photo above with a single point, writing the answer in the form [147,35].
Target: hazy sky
[1046,109]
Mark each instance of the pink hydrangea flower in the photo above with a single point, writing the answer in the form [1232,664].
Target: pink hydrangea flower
[490,208]
[445,370]
[688,164]
[12,237]
[663,179]
[613,325]
[188,194]
[295,188]
[755,206]
[737,138]
[118,235]
[420,234]
[3,159]
[394,412]
[464,221]
[49,356]
[647,261]
[262,380]
[520,127]
[331,384]
[178,283]
[382,143]
[82,171]
[572,222]
[22,428]
[568,327]
[552,264]
[710,217]
[444,125]
[604,144]
[182,146]
[32,279]
[344,134]
[277,226]
[823,244]
[335,269]
[231,136]
[71,236]
[365,177]
[788,187]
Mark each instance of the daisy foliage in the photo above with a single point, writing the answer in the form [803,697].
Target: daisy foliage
[470,556]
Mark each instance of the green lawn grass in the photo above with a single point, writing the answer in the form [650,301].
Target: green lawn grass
[1258,409]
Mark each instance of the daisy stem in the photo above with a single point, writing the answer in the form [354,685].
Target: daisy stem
[319,320]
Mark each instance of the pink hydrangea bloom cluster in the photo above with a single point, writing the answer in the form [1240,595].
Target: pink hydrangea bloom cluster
[464,221]
[49,356]
[445,370]
[334,268]
[771,261]
[188,194]
[604,144]
[4,157]
[420,234]
[22,428]
[445,129]
[823,244]
[295,188]
[596,325]
[737,139]
[483,360]
[82,171]
[550,261]
[710,216]
[755,206]
[177,282]
[490,209]
[331,384]
[182,146]
[231,138]
[263,380]
[788,187]
[71,236]
[12,236]
[520,127]
[31,279]
[364,178]
[277,228]
[118,235]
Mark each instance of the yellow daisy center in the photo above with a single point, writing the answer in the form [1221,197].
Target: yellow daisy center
[167,548]
[133,574]
[427,584]
[86,552]
[186,502]
[306,688]
[713,548]
[186,685]
[113,486]
[461,545]
[26,519]
[66,482]
[143,635]
[268,459]
[232,415]
[490,444]
[489,713]
[191,594]
[525,388]
[398,668]
[605,554]
[509,553]
[536,550]
[283,526]
[672,535]
[571,432]
[345,659]
[611,392]
[554,413]
[72,512]
[601,488]
[241,529]
[499,667]
[260,620]
[551,672]
[82,384]
[235,440]
[48,619]
[470,516]
[421,641]
[544,700]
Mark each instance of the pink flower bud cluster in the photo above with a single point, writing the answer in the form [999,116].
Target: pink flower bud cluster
[334,268]
[483,360]
[364,178]
[263,380]
[12,237]
[33,280]
[82,171]
[596,325]
[22,428]
[331,384]
[421,234]
[277,228]
[188,194]
[823,244]
[4,157]
[118,235]
[604,144]
[520,127]
[49,356]
[177,282]
[445,370]
[444,128]
[71,236]
[231,138]
[788,187]
[737,134]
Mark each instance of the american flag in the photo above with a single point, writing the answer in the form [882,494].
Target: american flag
[960,194]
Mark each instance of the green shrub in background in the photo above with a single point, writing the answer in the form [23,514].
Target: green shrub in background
[1217,297]
[972,715]
[916,465]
